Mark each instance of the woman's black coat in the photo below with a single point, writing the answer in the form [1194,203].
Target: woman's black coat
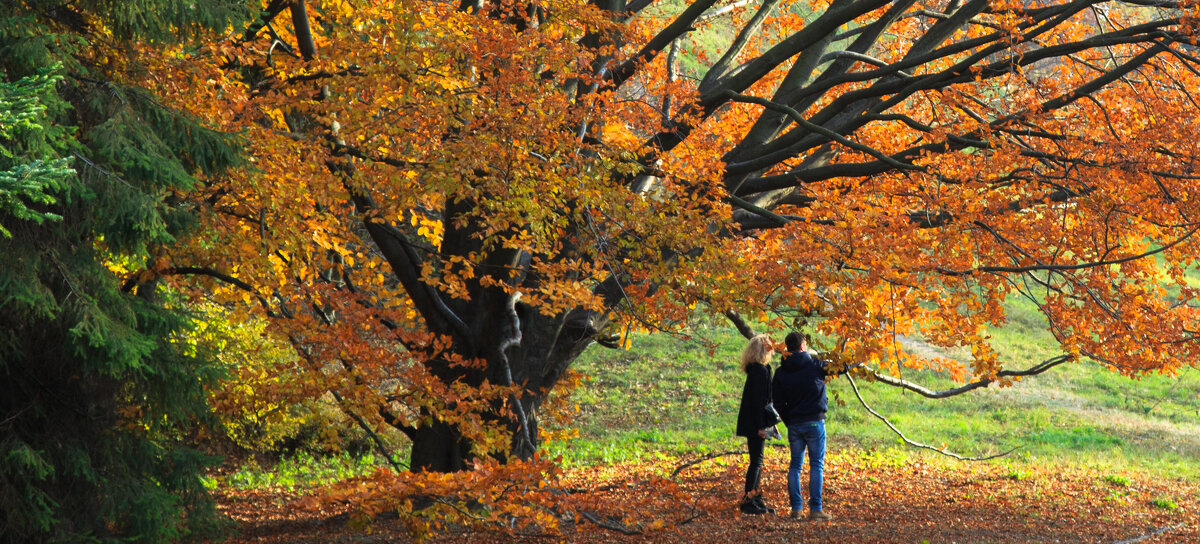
[756,393]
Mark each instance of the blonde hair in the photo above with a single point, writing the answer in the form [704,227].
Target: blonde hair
[759,351]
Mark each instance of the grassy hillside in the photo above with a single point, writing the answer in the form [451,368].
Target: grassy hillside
[673,395]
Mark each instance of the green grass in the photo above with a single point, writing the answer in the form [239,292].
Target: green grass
[1165,503]
[666,394]
[302,471]
[1119,481]
[672,396]
[678,396]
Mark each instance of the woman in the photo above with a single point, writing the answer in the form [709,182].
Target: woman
[752,419]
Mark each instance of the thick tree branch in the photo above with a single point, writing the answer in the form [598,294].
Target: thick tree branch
[742,327]
[771,122]
[525,447]
[406,264]
[678,27]
[742,77]
[801,121]
[771,217]
[304,35]
[636,6]
[853,110]
[999,42]
[953,143]
[735,49]
[274,8]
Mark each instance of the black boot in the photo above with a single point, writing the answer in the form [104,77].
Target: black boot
[766,509]
[753,506]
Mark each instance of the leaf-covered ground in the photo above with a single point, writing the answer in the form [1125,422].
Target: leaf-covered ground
[873,499]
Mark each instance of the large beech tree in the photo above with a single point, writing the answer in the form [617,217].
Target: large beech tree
[451,201]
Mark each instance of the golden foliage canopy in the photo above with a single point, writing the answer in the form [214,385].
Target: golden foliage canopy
[449,202]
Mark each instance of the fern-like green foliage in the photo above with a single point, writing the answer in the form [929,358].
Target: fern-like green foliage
[96,392]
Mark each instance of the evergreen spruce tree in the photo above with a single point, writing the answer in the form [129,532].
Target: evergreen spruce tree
[96,390]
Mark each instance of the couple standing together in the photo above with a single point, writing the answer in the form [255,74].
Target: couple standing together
[797,394]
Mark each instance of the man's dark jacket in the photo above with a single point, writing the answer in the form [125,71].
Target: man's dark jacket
[799,389]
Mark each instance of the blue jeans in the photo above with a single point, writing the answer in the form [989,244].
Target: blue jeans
[809,435]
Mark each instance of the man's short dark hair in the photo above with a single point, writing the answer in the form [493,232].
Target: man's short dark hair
[794,339]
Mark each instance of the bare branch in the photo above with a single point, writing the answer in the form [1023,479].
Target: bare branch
[929,393]
[1065,267]
[706,457]
[217,274]
[612,526]
[800,120]
[715,455]
[362,424]
[1152,534]
[906,440]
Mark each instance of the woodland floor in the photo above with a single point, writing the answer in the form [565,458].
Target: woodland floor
[913,501]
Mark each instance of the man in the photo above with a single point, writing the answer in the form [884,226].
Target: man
[799,393]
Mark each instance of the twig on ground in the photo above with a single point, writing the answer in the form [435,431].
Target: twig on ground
[620,528]
[906,440]
[608,487]
[714,455]
[1152,535]
[702,459]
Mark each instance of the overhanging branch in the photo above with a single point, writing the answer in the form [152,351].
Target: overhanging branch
[223,277]
[929,393]
[799,119]
[1064,267]
[678,27]
[906,440]
[742,326]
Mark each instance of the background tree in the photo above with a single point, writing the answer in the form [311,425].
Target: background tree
[96,389]
[451,201]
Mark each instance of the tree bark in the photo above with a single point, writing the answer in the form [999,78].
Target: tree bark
[537,363]
[439,447]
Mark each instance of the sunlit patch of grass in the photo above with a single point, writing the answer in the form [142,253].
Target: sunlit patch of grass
[1119,481]
[302,471]
[681,396]
[1164,503]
